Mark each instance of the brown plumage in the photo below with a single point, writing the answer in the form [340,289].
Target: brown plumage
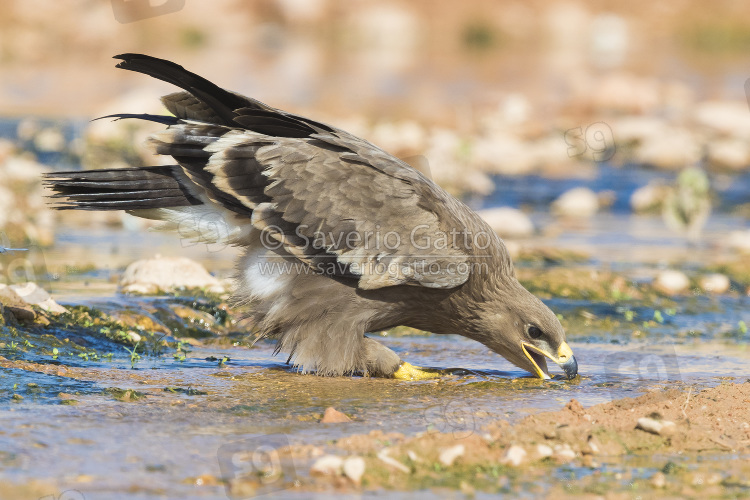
[340,237]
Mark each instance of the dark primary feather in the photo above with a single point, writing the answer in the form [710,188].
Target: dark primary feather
[231,109]
[163,119]
[223,103]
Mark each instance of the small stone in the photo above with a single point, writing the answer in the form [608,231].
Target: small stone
[715,283]
[739,240]
[385,458]
[660,428]
[354,468]
[33,294]
[515,456]
[648,198]
[550,434]
[328,465]
[166,274]
[659,480]
[449,455]
[543,451]
[508,222]
[578,202]
[563,453]
[593,446]
[671,282]
[333,416]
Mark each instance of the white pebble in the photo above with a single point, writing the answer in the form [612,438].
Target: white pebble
[449,455]
[662,428]
[672,282]
[354,468]
[564,453]
[327,465]
[543,450]
[577,202]
[515,456]
[715,283]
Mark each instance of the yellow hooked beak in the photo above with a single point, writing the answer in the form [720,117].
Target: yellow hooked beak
[564,359]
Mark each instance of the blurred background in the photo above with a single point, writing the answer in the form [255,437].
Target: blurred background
[620,130]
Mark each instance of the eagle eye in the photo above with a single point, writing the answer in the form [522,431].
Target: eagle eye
[534,331]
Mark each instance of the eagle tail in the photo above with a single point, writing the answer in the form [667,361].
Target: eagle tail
[119,189]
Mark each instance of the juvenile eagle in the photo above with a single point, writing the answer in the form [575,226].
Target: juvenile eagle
[339,237]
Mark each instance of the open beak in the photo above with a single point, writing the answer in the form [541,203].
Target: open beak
[564,359]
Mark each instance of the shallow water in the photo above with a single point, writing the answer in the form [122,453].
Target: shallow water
[162,442]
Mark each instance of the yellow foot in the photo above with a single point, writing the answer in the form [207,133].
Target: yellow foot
[410,372]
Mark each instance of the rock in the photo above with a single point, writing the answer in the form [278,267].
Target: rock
[578,202]
[671,282]
[354,468]
[508,222]
[563,453]
[449,455]
[624,92]
[658,427]
[739,240]
[166,274]
[503,154]
[327,465]
[672,149]
[385,458]
[715,283]
[635,129]
[648,198]
[659,480]
[333,416]
[726,117]
[729,153]
[13,303]
[34,295]
[515,456]
[9,297]
[24,169]
[50,139]
[543,451]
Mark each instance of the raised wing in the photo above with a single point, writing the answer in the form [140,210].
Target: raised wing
[334,201]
